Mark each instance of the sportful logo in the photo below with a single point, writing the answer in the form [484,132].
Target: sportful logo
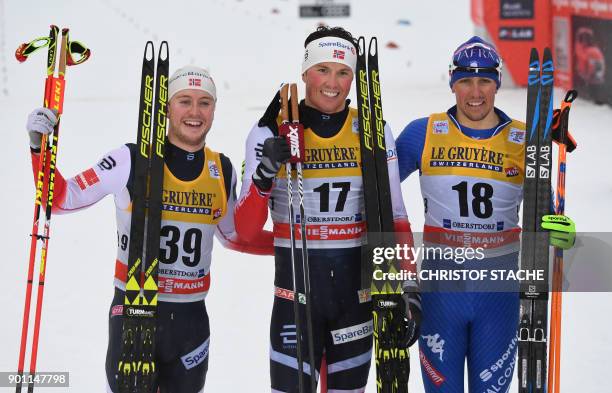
[435,344]
[338,54]
[195,82]
[433,374]
[508,355]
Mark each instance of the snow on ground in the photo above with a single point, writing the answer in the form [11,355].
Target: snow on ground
[249,50]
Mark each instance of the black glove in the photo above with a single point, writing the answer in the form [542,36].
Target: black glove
[275,152]
[412,302]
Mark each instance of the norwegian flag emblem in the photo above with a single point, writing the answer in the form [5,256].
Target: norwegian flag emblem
[338,54]
[195,82]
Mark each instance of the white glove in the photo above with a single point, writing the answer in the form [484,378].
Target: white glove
[40,122]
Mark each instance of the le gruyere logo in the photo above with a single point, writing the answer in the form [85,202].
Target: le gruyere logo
[188,201]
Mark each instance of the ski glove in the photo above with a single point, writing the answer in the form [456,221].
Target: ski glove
[562,230]
[274,153]
[412,302]
[40,122]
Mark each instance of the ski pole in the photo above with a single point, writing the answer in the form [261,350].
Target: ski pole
[554,359]
[45,178]
[22,54]
[296,135]
[284,96]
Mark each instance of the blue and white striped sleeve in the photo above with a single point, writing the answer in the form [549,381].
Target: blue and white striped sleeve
[410,146]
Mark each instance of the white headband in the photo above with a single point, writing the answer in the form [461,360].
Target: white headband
[330,49]
[191,77]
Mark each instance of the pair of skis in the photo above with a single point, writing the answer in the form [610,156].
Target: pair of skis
[390,354]
[45,178]
[293,131]
[533,324]
[137,367]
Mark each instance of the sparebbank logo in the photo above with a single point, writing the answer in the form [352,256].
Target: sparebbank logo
[352,333]
[197,356]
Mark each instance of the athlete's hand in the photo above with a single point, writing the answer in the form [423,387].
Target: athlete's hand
[40,122]
[412,302]
[562,230]
[275,152]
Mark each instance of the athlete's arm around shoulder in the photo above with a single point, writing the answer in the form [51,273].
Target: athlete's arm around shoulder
[251,210]
[108,176]
[263,244]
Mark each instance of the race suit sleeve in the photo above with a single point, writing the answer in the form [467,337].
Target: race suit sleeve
[403,233]
[109,176]
[262,243]
[251,211]
[410,145]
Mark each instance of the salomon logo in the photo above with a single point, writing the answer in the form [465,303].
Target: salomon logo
[197,356]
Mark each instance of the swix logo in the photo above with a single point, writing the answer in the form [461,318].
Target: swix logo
[294,141]
[195,82]
[530,162]
[435,344]
[338,54]
[544,162]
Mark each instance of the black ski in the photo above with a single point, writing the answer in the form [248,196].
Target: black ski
[137,367]
[391,357]
[532,348]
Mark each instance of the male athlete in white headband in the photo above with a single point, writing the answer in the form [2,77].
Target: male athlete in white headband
[198,202]
[335,226]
